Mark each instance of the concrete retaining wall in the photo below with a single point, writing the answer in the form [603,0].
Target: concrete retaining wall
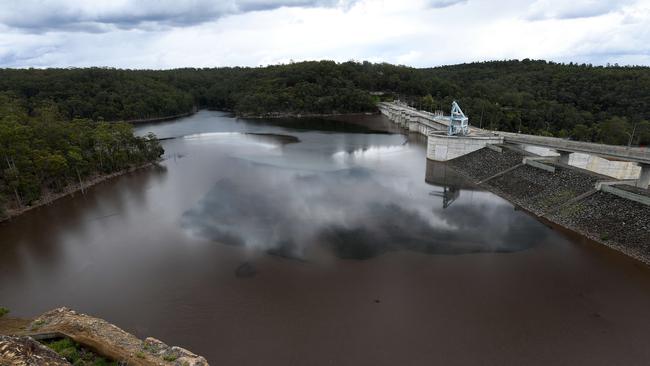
[442,147]
[611,168]
[634,154]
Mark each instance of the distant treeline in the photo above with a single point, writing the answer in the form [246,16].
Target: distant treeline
[43,152]
[584,102]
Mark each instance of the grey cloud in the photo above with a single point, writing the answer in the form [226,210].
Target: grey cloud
[437,4]
[93,17]
[30,55]
[257,5]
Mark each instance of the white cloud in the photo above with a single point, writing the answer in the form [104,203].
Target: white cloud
[259,32]
[562,9]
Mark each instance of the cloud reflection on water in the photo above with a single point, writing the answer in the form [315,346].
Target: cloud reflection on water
[359,210]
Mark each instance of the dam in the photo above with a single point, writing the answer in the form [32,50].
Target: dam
[630,165]
[599,191]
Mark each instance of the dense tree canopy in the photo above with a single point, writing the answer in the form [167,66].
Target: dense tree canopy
[44,152]
[606,104]
[97,93]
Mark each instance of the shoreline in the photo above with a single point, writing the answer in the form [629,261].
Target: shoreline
[12,213]
[301,115]
[159,119]
[70,190]
[277,115]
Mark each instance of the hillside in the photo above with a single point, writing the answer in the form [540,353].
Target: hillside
[584,102]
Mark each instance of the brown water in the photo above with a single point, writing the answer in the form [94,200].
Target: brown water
[323,243]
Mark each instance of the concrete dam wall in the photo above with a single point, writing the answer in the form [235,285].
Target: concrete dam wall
[604,199]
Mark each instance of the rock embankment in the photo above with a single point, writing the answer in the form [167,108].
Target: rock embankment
[97,335]
[540,191]
[566,197]
[617,222]
[485,163]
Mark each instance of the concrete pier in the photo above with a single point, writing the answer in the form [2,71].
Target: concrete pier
[644,177]
[564,156]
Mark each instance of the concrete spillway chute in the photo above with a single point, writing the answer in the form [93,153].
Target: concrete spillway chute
[458,122]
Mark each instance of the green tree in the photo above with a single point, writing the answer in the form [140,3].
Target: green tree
[43,152]
[642,133]
[582,133]
[614,131]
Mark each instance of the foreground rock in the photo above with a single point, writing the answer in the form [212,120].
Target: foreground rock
[110,341]
[25,351]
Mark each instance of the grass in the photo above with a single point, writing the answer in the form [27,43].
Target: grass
[76,354]
[37,324]
[3,311]
[571,210]
[171,357]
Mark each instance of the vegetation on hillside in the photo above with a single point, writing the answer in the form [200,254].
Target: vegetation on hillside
[44,152]
[96,93]
[583,102]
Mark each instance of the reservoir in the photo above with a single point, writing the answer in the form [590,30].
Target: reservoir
[323,242]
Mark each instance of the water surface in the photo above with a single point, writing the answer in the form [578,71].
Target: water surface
[318,242]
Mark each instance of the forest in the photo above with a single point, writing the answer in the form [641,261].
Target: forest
[58,126]
[609,104]
[42,153]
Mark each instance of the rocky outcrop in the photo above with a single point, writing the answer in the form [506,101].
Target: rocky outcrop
[112,342]
[25,351]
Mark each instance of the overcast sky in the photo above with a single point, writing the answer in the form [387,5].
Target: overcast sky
[203,33]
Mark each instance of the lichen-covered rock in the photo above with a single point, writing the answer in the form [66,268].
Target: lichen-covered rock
[25,351]
[110,341]
[187,358]
[180,356]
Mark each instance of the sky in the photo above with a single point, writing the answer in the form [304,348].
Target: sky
[163,34]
